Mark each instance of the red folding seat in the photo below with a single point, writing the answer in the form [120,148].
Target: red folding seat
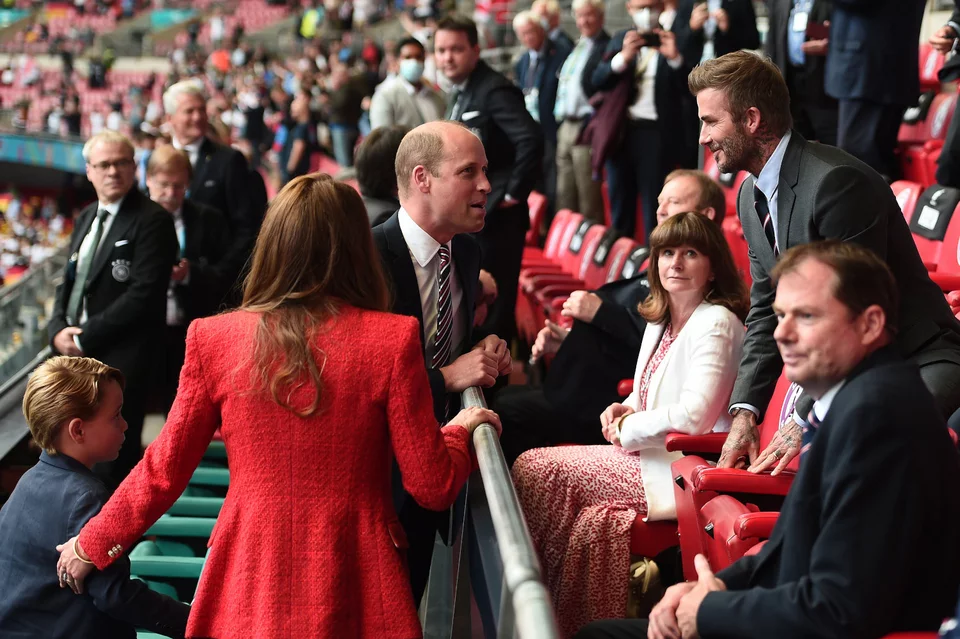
[731,529]
[933,215]
[593,274]
[733,233]
[537,203]
[907,194]
[568,258]
[535,254]
[696,481]
[545,286]
[619,254]
[931,61]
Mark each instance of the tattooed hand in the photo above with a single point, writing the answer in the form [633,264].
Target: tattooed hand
[743,442]
[784,446]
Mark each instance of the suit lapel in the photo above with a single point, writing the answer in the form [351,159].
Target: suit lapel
[121,224]
[84,222]
[206,150]
[467,271]
[406,291]
[192,231]
[786,196]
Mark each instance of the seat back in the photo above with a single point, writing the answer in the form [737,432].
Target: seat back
[571,255]
[733,233]
[719,532]
[537,204]
[931,61]
[929,120]
[635,262]
[591,241]
[933,214]
[907,194]
[594,271]
[619,253]
[558,227]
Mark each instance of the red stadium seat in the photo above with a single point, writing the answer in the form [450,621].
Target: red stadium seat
[733,233]
[931,127]
[907,194]
[619,254]
[727,533]
[933,216]
[537,203]
[931,61]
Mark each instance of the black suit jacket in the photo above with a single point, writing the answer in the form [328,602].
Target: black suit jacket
[398,266]
[600,42]
[221,179]
[583,377]
[865,544]
[873,51]
[563,41]
[742,34]
[127,287]
[825,193]
[51,503]
[814,67]
[206,244]
[493,108]
[546,80]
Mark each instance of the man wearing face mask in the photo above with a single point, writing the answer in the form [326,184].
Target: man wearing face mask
[407,100]
[648,58]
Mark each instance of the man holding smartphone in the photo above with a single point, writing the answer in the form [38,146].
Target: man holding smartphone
[945,40]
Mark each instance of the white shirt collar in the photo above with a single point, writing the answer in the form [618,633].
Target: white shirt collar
[822,405]
[113,208]
[421,244]
[769,179]
[192,148]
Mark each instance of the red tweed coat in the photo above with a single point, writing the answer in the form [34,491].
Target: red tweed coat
[305,542]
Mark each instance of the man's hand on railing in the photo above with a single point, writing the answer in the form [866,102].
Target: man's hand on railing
[500,350]
[472,418]
[474,368]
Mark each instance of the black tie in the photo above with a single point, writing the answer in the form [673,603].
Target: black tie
[763,212]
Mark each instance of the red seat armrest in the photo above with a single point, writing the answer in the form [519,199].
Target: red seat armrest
[733,480]
[550,292]
[945,281]
[756,525]
[711,443]
[625,387]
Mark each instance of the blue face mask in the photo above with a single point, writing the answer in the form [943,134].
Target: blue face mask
[411,70]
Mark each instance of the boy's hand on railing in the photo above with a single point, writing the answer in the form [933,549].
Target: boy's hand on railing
[472,418]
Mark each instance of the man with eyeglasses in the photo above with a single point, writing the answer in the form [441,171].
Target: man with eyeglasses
[112,302]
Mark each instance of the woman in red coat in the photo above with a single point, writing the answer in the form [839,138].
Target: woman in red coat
[314,389]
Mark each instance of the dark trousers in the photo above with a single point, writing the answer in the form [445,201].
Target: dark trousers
[530,421]
[948,166]
[868,131]
[501,246]
[614,629]
[814,119]
[637,167]
[549,182]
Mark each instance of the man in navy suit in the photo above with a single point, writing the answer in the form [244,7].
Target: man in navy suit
[538,75]
[873,70]
[433,264]
[865,544]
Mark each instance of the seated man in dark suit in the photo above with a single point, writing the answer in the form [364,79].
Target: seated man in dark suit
[866,542]
[376,174]
[72,406]
[198,281]
[598,351]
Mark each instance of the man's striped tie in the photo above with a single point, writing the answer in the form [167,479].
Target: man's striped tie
[444,336]
[809,431]
[763,211]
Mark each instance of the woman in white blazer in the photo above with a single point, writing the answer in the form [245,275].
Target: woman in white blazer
[580,501]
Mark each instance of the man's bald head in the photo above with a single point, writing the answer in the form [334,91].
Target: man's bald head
[424,146]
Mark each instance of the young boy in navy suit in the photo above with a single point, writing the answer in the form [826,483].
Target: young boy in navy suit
[72,406]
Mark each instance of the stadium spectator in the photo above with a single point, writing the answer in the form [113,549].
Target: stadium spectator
[376,175]
[303,356]
[708,29]
[874,78]
[112,302]
[580,501]
[537,74]
[198,282]
[576,188]
[944,40]
[433,264]
[600,348]
[346,97]
[300,142]
[651,130]
[493,108]
[407,99]
[745,109]
[220,173]
[72,406]
[549,12]
[876,457]
[802,60]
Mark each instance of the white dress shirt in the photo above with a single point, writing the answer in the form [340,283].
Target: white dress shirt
[426,263]
[192,149]
[645,106]
[574,104]
[822,405]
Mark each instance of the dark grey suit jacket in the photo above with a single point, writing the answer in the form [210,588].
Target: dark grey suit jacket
[825,193]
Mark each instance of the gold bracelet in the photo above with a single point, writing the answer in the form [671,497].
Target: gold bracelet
[76,551]
[620,422]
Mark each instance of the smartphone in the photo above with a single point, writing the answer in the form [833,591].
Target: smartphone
[650,39]
[817,31]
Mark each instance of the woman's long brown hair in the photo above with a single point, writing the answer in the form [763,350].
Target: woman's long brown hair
[314,253]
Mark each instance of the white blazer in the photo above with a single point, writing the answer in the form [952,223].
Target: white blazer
[689,393]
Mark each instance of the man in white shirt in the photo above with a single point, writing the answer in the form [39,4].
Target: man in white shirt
[111,304]
[434,265]
[407,99]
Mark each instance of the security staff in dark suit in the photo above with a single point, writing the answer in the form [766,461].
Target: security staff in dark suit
[652,132]
[221,177]
[493,108]
[433,264]
[112,302]
[944,40]
[538,74]
[803,63]
[711,28]
[873,69]
[833,196]
[198,281]
[549,13]
[598,351]
[876,458]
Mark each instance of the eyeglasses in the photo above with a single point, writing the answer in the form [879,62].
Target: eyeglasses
[104,167]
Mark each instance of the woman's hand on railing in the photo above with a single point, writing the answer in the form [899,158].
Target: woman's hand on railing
[472,418]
